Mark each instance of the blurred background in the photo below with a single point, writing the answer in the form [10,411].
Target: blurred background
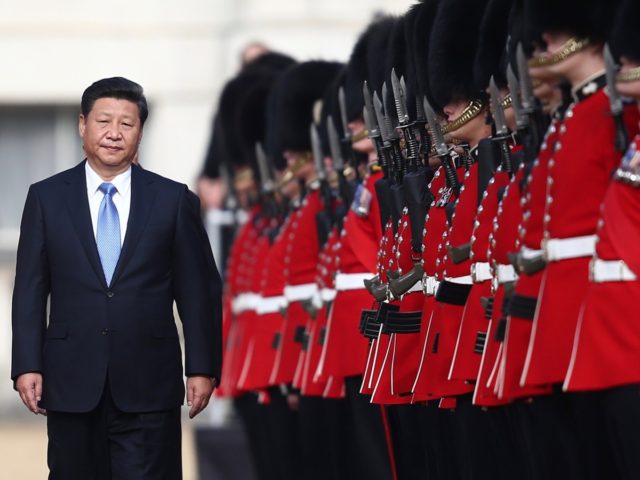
[181,52]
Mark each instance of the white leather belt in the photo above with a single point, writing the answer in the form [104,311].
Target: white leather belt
[429,285]
[530,253]
[610,271]
[506,273]
[351,281]
[327,294]
[565,248]
[417,287]
[271,304]
[466,280]
[304,291]
[244,302]
[480,271]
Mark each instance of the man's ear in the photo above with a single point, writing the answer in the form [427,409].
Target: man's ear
[82,121]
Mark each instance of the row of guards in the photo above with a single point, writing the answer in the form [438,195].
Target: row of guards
[438,273]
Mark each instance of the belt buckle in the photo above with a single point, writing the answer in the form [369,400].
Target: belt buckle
[545,249]
[592,270]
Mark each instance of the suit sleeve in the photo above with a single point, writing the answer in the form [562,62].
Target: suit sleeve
[31,289]
[197,290]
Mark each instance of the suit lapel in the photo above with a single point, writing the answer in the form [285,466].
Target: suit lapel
[142,198]
[78,206]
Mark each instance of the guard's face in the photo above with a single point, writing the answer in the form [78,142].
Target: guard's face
[111,133]
[629,89]
[472,131]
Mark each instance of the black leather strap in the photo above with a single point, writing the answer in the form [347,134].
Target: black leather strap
[522,306]
[365,317]
[402,322]
[452,293]
[481,339]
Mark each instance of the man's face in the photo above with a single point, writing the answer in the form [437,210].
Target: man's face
[472,131]
[111,133]
[629,89]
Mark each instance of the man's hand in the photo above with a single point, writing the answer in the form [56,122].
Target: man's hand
[199,390]
[29,386]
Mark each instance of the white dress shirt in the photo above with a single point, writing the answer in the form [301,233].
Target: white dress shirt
[121,199]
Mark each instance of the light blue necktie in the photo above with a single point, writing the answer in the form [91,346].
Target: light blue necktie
[108,233]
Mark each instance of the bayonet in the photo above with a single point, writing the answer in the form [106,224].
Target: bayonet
[526,85]
[374,130]
[318,157]
[334,145]
[441,147]
[530,107]
[496,109]
[399,99]
[436,130]
[502,131]
[409,135]
[342,104]
[516,102]
[382,125]
[612,71]
[392,135]
[615,101]
[266,177]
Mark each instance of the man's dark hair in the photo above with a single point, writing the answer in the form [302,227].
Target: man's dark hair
[115,87]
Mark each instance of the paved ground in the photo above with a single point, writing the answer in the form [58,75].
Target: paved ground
[23,451]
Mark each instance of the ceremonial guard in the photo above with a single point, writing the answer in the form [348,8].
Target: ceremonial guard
[606,344]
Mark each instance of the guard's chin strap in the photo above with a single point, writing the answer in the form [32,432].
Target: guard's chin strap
[469,113]
[631,75]
[571,46]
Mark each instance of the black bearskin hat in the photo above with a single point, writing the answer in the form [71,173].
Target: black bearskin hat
[452,49]
[590,19]
[423,24]
[492,56]
[395,59]
[625,35]
[291,105]
[357,69]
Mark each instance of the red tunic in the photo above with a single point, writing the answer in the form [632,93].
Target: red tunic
[503,241]
[316,328]
[431,376]
[300,264]
[606,351]
[400,361]
[578,178]
[466,359]
[378,346]
[237,342]
[445,320]
[268,324]
[530,236]
[345,350]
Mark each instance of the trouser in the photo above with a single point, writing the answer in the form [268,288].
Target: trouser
[322,435]
[367,446]
[108,444]
[408,448]
[273,433]
[609,427]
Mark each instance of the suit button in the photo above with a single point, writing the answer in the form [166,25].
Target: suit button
[105,331]
[110,294]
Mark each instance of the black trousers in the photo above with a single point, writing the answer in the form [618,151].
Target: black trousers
[108,444]
[406,435]
[367,447]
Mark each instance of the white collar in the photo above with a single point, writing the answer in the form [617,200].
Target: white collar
[122,181]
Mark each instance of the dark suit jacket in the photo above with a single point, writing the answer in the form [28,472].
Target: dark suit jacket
[124,332]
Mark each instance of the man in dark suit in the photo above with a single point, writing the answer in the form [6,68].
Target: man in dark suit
[111,246]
